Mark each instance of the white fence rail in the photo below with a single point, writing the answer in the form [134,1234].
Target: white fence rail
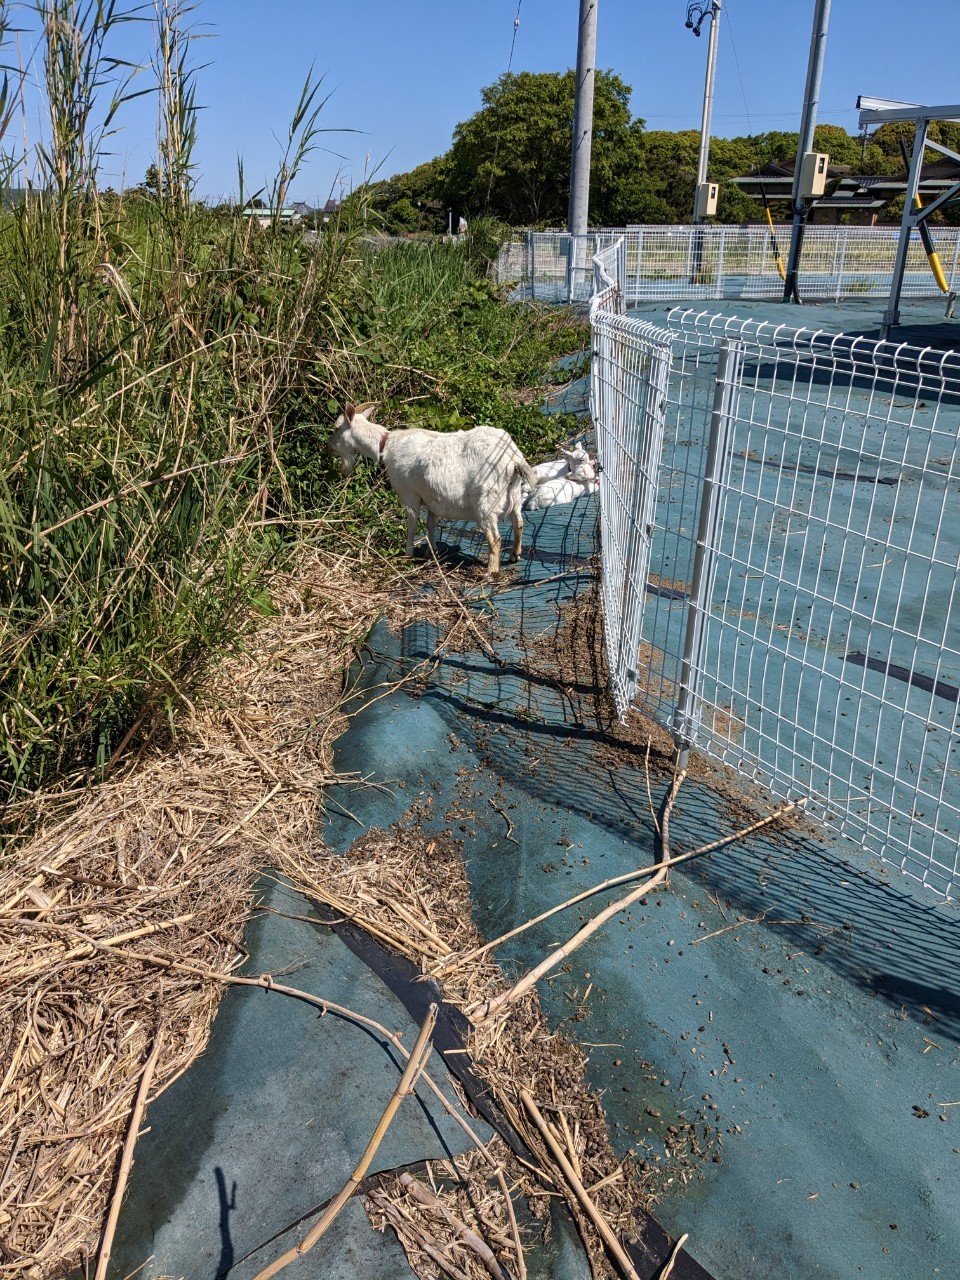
[720,262]
[781,536]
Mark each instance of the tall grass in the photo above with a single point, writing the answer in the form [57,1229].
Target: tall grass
[148,345]
[167,375]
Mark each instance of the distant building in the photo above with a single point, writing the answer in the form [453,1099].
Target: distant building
[289,214]
[856,199]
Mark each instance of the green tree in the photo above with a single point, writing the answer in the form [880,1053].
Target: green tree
[422,190]
[512,158]
[838,144]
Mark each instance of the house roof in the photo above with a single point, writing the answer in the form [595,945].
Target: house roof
[289,211]
[851,202]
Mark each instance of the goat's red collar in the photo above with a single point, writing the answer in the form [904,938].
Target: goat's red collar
[383,444]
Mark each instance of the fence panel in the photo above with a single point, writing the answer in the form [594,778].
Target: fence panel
[828,663]
[631,366]
[715,262]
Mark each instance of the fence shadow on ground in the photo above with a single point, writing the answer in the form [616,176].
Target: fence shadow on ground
[541,718]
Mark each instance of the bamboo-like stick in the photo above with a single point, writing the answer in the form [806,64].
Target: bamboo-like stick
[481,1012]
[266,982]
[674,1254]
[76,952]
[126,1160]
[486,1009]
[470,1238]
[407,1231]
[417,1059]
[455,961]
[614,1247]
[232,831]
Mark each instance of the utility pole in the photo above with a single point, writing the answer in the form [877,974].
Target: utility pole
[583,120]
[808,123]
[696,15]
[704,201]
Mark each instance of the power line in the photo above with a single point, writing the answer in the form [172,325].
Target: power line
[496,144]
[736,63]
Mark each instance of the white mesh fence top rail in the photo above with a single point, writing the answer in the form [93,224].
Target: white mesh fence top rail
[781,532]
[609,271]
[726,262]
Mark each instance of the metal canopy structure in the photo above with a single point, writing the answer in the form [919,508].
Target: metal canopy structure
[884,111]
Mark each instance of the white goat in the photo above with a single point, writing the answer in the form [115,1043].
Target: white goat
[550,493]
[575,462]
[456,475]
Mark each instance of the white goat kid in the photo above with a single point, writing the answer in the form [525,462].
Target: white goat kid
[551,493]
[575,462]
[455,475]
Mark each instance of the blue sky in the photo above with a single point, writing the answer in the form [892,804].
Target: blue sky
[403,74]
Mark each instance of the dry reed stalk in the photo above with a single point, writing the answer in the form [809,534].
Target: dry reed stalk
[455,960]
[433,1222]
[610,1240]
[672,1260]
[126,1160]
[408,1232]
[489,1008]
[405,1087]
[470,1238]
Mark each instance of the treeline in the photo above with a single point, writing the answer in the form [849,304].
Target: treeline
[511,161]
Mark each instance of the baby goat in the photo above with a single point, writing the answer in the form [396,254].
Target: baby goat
[550,493]
[575,462]
[456,475]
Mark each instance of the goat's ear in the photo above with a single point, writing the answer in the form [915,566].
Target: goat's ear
[368,404]
[349,411]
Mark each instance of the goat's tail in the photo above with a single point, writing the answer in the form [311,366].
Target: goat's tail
[527,473]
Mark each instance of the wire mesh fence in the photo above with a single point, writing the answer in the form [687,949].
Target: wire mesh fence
[781,532]
[725,262]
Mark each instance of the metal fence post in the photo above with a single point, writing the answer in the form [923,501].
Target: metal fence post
[843,259]
[532,279]
[763,257]
[571,265]
[687,713]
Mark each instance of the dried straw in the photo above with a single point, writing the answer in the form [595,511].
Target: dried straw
[166,855]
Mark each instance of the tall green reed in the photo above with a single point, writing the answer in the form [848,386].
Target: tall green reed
[151,348]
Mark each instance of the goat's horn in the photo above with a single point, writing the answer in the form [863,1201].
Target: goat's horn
[368,404]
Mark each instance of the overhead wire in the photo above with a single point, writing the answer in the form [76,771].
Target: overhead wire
[496,142]
[763,190]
